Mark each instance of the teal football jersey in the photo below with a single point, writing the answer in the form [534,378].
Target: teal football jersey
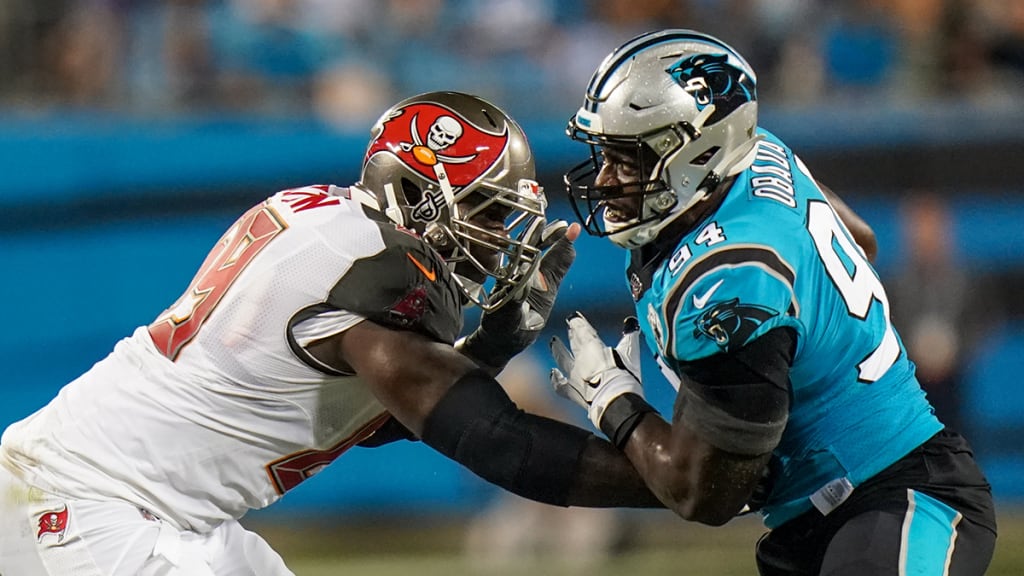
[776,254]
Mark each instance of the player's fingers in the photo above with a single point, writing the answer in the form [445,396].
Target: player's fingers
[581,333]
[552,233]
[555,263]
[559,382]
[565,389]
[561,354]
[573,232]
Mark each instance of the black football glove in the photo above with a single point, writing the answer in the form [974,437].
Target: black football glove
[514,327]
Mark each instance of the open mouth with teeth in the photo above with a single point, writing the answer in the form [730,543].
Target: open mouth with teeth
[618,212]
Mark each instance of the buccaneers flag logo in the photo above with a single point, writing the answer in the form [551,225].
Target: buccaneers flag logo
[53,522]
[426,134]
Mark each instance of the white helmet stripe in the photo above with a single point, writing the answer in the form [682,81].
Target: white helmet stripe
[393,210]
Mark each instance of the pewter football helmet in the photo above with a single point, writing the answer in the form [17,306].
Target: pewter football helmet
[439,159]
[684,100]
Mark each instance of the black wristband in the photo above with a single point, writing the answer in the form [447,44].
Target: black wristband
[622,416]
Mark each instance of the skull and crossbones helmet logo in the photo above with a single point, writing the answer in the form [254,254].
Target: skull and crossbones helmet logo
[443,133]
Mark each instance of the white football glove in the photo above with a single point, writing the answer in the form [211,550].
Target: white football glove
[597,374]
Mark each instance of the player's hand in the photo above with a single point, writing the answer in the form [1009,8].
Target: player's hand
[592,374]
[514,327]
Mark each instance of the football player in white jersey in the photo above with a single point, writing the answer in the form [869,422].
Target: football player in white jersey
[325,317]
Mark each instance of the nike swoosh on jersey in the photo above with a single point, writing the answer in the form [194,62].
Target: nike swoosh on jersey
[699,302]
[430,274]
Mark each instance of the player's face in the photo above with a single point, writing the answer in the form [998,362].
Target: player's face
[621,169]
[491,220]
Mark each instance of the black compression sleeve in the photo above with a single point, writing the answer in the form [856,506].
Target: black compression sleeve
[477,425]
[739,401]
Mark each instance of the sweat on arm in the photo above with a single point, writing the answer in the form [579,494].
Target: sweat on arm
[739,401]
[730,413]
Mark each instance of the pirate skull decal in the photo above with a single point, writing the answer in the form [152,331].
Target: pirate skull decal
[443,133]
[425,134]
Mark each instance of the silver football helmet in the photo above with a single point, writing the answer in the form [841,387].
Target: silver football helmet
[682,102]
[440,161]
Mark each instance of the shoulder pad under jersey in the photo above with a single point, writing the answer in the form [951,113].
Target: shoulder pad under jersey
[406,286]
[726,298]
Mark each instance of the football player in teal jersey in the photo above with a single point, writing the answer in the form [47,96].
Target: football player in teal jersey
[755,293]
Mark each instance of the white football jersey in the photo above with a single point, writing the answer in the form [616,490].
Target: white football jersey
[215,408]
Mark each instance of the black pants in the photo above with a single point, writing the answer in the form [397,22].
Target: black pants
[895,519]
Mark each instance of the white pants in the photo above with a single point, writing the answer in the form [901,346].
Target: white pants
[44,535]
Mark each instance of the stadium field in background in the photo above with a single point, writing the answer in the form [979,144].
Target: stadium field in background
[658,545]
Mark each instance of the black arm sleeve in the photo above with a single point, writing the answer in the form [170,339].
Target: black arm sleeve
[478,425]
[390,431]
[739,401]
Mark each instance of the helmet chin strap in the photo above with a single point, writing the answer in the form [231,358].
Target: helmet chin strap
[446,186]
[393,211]
[738,155]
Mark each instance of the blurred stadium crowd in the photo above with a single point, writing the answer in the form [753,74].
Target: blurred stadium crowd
[342,59]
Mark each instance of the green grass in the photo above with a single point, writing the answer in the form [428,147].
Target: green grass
[655,544]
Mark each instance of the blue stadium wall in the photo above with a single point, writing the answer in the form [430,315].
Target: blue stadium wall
[103,222]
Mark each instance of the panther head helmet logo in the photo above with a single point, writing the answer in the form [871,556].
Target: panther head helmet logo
[711,79]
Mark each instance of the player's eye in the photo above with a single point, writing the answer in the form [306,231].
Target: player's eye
[492,214]
[496,214]
[620,161]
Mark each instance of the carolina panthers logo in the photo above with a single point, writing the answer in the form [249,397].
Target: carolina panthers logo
[730,323]
[712,80]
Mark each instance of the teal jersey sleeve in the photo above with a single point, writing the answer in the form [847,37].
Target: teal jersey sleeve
[727,299]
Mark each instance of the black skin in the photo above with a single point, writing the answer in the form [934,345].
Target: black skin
[410,390]
[491,219]
[696,480]
[863,235]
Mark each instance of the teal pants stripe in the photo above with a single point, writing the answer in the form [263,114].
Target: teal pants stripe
[929,535]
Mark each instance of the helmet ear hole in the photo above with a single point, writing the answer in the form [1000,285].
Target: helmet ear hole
[705,156]
[413,194]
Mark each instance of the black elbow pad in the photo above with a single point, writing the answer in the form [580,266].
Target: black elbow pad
[478,425]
